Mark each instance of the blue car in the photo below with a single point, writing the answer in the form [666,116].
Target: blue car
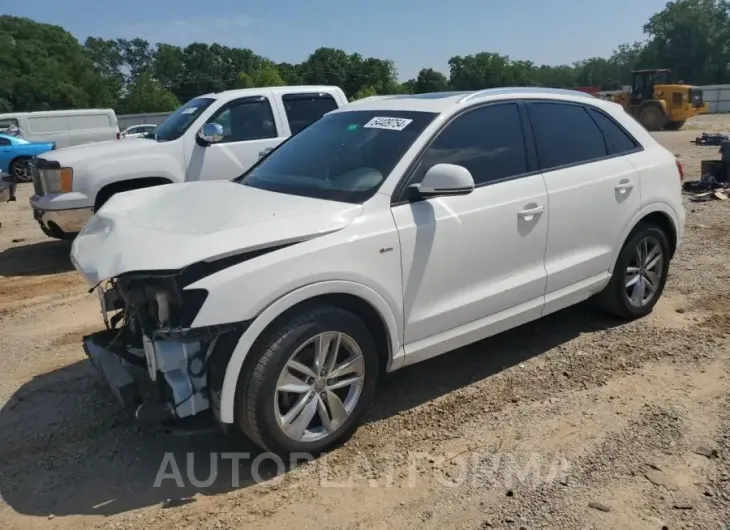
[16,154]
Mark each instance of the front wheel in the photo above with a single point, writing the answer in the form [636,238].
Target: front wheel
[639,274]
[308,382]
[20,170]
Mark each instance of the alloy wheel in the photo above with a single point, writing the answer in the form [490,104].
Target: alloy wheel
[319,387]
[644,272]
[21,171]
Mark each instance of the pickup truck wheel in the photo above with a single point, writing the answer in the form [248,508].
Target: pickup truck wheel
[20,169]
[308,382]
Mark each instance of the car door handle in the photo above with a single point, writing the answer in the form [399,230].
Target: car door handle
[624,186]
[529,213]
[265,152]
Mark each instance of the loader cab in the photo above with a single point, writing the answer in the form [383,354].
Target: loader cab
[643,83]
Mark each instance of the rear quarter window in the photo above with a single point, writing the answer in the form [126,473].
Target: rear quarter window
[304,109]
[619,140]
[565,134]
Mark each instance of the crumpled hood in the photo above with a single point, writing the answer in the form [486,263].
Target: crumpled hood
[83,154]
[171,226]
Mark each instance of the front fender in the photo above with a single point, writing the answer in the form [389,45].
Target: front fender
[114,171]
[259,324]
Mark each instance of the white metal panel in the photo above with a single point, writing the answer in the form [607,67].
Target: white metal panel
[718,98]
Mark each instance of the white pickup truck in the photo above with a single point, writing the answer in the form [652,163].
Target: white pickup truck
[212,137]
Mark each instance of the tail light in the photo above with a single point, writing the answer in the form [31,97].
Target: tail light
[681,171]
[119,136]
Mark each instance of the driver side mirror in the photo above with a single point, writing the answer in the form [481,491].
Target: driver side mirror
[210,133]
[445,179]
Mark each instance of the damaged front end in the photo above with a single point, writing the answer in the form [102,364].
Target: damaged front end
[155,363]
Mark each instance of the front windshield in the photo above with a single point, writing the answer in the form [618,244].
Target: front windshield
[344,156]
[179,121]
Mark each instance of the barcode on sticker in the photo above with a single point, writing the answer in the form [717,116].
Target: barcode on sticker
[390,124]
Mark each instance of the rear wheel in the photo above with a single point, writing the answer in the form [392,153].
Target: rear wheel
[20,169]
[674,125]
[652,118]
[639,274]
[308,382]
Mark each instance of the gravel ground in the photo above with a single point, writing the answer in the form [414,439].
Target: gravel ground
[575,421]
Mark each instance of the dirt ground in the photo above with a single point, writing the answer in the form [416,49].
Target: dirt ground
[575,421]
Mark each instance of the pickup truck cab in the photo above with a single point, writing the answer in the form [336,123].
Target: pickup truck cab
[211,137]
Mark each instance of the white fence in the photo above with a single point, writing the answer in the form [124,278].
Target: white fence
[718,96]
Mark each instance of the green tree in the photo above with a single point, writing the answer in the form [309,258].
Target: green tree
[291,73]
[483,70]
[146,94]
[364,92]
[44,67]
[138,56]
[107,57]
[245,81]
[691,37]
[326,66]
[429,80]
[409,87]
[167,65]
[268,76]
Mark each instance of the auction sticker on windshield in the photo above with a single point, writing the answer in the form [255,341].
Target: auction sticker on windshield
[390,124]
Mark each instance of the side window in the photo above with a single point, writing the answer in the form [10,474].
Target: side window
[4,141]
[304,109]
[565,134]
[246,119]
[617,138]
[7,122]
[489,142]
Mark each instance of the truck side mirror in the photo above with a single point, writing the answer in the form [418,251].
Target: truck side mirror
[210,133]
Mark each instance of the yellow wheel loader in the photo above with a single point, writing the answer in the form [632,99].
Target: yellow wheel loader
[657,104]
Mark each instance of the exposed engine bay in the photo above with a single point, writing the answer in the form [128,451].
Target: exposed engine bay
[153,361]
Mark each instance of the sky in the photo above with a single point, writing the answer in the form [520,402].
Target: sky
[414,34]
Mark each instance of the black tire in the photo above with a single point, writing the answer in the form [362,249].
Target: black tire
[20,169]
[256,393]
[652,118]
[614,298]
[674,125]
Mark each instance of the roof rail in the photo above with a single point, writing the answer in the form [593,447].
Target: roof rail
[514,90]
